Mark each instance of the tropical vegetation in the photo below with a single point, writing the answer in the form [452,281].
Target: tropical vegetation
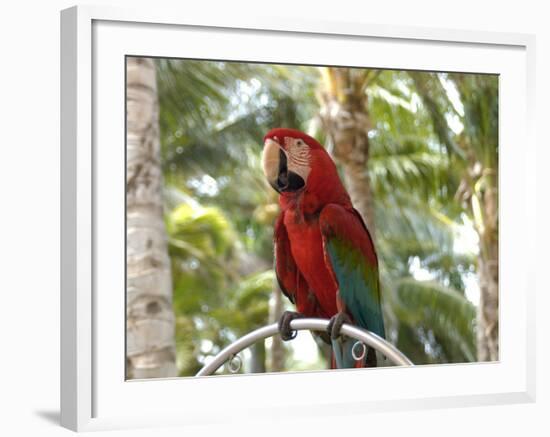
[418,152]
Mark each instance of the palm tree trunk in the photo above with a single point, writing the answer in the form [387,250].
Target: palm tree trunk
[480,181]
[487,228]
[487,333]
[150,347]
[345,118]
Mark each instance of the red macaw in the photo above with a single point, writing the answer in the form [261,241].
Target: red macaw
[325,261]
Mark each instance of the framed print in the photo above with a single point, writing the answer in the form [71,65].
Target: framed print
[229,186]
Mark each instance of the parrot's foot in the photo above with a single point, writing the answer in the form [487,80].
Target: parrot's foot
[335,325]
[284,325]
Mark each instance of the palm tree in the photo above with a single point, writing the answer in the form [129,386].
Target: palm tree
[474,155]
[480,98]
[150,350]
[345,118]
[381,140]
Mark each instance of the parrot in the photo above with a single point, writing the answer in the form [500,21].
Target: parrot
[324,257]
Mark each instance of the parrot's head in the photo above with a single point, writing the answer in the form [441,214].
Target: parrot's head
[289,157]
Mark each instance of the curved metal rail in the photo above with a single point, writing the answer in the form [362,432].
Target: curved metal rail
[311,324]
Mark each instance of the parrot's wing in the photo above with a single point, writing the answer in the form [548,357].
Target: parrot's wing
[351,257]
[289,277]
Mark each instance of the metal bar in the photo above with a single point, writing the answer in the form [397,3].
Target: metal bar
[370,339]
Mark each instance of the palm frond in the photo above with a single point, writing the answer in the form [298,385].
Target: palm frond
[443,311]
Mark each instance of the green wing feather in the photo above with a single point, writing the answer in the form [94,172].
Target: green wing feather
[350,253]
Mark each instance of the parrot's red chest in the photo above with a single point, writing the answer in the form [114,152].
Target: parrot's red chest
[306,245]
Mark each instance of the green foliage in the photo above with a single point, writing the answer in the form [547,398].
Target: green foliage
[416,169]
[213,116]
[443,316]
[202,247]
[219,209]
[198,232]
[247,303]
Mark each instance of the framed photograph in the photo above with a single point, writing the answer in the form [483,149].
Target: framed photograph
[265,208]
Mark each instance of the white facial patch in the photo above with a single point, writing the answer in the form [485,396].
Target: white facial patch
[299,156]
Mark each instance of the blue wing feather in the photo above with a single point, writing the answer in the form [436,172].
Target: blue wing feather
[350,253]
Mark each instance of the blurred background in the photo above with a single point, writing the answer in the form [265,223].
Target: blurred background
[418,152]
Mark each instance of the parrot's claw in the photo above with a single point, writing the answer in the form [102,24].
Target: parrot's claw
[284,325]
[335,325]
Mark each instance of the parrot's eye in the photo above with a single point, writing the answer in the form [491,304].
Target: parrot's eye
[299,143]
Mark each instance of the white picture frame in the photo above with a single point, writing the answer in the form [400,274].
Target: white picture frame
[94,41]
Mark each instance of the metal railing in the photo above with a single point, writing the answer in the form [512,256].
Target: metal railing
[366,337]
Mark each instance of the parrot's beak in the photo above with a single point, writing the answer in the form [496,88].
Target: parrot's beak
[271,161]
[275,166]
